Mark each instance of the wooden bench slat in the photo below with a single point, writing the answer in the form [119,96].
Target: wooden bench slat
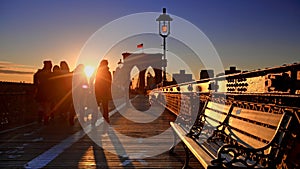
[216,113]
[218,106]
[258,116]
[198,152]
[254,143]
[260,131]
[216,116]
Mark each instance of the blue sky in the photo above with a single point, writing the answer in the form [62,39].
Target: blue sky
[249,34]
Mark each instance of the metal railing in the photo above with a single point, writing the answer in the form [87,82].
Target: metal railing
[277,85]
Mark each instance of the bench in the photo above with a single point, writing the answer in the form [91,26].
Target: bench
[209,117]
[241,135]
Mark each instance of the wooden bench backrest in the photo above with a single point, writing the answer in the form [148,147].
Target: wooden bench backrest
[212,116]
[216,113]
[254,128]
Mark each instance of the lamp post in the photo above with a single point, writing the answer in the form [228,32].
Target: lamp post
[164,30]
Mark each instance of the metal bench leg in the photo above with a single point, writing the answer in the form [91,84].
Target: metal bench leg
[187,157]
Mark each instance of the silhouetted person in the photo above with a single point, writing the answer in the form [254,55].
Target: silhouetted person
[55,90]
[80,90]
[67,90]
[36,83]
[103,90]
[64,67]
[43,97]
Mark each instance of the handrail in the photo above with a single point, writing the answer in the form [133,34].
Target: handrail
[282,80]
[248,74]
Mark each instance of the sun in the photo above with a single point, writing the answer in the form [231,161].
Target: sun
[89,70]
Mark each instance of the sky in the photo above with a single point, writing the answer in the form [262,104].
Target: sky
[249,34]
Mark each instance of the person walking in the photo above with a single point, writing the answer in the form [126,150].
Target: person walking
[43,97]
[103,90]
[55,91]
[67,107]
[80,91]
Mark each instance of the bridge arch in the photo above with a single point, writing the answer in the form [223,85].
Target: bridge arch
[143,62]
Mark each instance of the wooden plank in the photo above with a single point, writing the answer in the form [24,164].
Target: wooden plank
[258,116]
[214,112]
[218,117]
[86,153]
[252,143]
[218,106]
[251,128]
[198,152]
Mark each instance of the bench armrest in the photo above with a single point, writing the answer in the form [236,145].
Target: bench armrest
[235,156]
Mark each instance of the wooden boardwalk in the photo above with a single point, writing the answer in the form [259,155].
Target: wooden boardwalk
[136,139]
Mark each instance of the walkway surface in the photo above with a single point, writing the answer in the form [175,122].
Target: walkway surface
[138,137]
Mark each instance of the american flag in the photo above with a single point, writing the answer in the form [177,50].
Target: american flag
[140,45]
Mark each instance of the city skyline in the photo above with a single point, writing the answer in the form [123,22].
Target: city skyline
[248,34]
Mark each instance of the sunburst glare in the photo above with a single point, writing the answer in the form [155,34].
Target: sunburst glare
[89,70]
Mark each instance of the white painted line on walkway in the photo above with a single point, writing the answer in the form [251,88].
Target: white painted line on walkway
[16,128]
[49,155]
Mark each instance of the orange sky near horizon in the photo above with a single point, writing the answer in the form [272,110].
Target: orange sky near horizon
[247,34]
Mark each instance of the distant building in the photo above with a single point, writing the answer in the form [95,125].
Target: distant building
[182,77]
[204,74]
[232,70]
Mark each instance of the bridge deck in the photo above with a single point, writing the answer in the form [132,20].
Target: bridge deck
[59,145]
